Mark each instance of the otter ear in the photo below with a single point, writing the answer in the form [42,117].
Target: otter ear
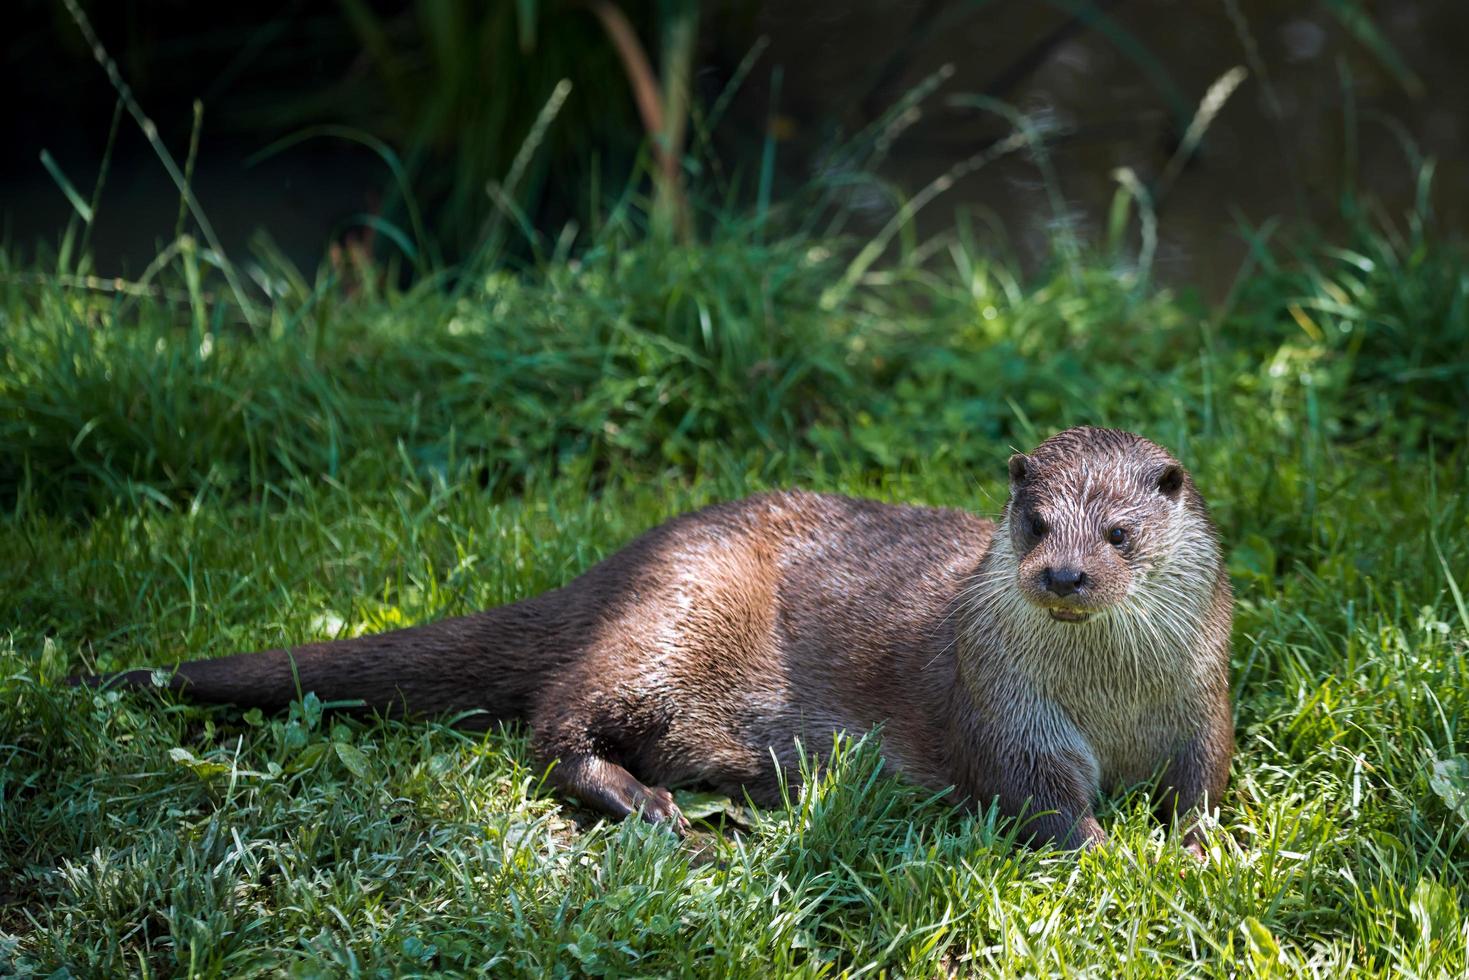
[1170,481]
[1019,465]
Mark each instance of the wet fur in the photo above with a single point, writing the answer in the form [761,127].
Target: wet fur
[706,647]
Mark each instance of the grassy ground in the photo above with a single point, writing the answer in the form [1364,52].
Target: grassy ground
[177,485]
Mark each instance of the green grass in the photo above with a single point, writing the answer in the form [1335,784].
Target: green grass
[176,487]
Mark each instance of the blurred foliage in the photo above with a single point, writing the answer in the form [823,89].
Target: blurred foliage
[485,155]
[456,88]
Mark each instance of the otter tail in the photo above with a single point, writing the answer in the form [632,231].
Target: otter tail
[490,662]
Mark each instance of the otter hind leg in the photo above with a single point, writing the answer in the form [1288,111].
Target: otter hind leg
[605,786]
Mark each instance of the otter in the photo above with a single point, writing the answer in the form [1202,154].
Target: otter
[1078,645]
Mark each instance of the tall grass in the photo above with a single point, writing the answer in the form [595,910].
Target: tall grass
[643,355]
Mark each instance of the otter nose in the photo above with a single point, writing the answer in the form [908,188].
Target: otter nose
[1063,581]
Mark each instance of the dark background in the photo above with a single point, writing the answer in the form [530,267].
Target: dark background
[453,89]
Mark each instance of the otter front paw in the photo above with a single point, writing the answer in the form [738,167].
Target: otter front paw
[1193,844]
[1087,835]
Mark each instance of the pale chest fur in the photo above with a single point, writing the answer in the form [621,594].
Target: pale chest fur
[1128,737]
[1122,701]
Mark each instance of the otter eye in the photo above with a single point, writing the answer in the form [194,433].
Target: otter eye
[1037,526]
[1117,536]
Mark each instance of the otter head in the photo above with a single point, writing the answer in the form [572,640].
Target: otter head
[1092,513]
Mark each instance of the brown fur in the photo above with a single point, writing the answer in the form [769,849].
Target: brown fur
[706,647]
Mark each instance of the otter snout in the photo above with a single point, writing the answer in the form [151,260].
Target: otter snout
[1063,581]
